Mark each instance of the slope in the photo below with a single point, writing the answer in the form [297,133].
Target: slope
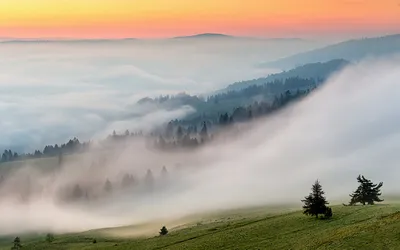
[368,227]
[353,50]
[319,70]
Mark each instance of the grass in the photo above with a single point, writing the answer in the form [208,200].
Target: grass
[358,227]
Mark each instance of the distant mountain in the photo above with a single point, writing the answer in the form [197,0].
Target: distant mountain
[353,50]
[216,35]
[205,35]
[318,71]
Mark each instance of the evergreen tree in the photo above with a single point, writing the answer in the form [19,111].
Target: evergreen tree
[77,193]
[328,213]
[204,132]
[127,181]
[164,173]
[367,192]
[315,203]
[149,179]
[163,231]
[17,244]
[60,159]
[161,142]
[179,133]
[108,186]
[49,237]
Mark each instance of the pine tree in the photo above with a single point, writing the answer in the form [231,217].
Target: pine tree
[149,181]
[315,203]
[367,192]
[108,186]
[328,213]
[60,159]
[161,142]
[17,244]
[77,192]
[164,172]
[204,132]
[49,238]
[179,133]
[163,231]
[127,181]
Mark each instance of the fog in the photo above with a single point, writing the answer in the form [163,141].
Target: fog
[80,88]
[350,126]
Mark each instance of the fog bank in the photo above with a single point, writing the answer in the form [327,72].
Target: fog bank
[349,126]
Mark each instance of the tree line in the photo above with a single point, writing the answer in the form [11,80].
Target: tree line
[73,146]
[182,133]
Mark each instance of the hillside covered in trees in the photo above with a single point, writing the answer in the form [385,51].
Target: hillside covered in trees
[224,110]
[319,71]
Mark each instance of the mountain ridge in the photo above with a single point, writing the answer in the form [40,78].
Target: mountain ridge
[350,50]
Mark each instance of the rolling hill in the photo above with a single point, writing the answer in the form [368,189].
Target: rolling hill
[356,227]
[353,50]
[312,70]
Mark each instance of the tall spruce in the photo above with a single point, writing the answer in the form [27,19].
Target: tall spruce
[315,203]
[367,192]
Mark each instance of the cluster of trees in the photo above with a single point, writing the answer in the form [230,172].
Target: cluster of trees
[17,243]
[266,90]
[85,192]
[197,129]
[315,203]
[177,135]
[73,146]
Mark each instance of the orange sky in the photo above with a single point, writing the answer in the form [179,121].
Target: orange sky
[165,18]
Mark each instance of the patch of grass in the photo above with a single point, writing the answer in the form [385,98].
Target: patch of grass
[356,227]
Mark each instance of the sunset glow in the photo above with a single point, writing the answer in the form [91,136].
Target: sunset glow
[165,18]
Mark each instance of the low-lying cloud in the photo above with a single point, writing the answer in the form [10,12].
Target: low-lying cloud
[350,126]
[51,92]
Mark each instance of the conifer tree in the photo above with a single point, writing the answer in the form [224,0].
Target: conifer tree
[367,192]
[60,159]
[77,192]
[127,181]
[179,133]
[163,231]
[204,132]
[108,186]
[17,244]
[49,237]
[315,203]
[164,172]
[149,180]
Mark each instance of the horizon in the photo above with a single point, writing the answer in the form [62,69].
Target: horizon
[199,35]
[161,18]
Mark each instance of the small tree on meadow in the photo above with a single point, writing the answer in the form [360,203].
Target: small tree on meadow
[49,237]
[315,203]
[163,231]
[367,192]
[328,213]
[17,244]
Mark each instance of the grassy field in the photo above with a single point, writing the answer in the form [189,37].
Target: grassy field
[358,227]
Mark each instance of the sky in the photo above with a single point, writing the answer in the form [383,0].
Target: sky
[166,18]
